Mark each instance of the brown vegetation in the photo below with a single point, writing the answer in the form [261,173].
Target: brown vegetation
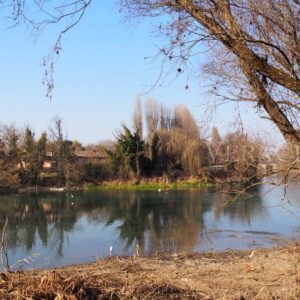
[51,160]
[259,274]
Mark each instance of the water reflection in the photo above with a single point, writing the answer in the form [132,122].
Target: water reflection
[163,222]
[242,209]
[72,228]
[32,218]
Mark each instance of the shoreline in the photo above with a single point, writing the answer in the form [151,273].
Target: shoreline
[161,183]
[147,184]
[233,274]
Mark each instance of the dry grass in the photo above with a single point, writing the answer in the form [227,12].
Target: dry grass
[262,274]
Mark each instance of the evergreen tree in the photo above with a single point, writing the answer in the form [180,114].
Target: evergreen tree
[32,157]
[130,153]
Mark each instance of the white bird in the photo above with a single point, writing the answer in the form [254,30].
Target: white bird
[111,250]
[72,203]
[72,196]
[159,190]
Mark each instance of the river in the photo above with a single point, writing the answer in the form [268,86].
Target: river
[56,229]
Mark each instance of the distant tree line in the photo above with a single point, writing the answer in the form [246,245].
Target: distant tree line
[49,160]
[161,142]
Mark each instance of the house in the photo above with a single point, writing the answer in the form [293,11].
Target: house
[90,156]
[49,161]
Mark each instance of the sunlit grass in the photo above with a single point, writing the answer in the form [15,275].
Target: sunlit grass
[189,184]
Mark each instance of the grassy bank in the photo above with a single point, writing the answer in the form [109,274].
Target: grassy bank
[260,274]
[148,185]
[130,185]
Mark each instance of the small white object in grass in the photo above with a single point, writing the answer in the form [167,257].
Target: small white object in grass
[251,254]
[159,190]
[137,250]
[72,203]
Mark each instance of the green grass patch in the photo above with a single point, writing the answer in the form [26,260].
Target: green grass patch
[148,186]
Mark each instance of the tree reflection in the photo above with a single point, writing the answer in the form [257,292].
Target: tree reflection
[242,209]
[161,221]
[35,218]
[156,221]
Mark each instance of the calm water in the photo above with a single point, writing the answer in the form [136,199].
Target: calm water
[52,229]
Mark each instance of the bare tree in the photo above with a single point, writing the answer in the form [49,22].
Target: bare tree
[216,146]
[138,117]
[37,15]
[58,151]
[9,155]
[254,47]
[152,112]
[56,130]
[166,118]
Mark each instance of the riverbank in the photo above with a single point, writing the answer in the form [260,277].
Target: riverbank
[144,184]
[158,183]
[260,274]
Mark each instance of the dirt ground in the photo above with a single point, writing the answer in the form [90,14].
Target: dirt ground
[260,274]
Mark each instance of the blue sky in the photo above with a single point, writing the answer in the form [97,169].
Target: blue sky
[100,72]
